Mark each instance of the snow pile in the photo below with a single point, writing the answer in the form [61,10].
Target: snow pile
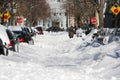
[57,57]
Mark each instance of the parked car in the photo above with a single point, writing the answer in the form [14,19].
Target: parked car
[23,37]
[14,42]
[3,49]
[22,34]
[7,40]
[54,29]
[29,30]
[39,30]
[86,30]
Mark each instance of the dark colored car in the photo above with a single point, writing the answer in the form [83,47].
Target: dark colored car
[54,29]
[3,49]
[29,31]
[86,30]
[7,41]
[39,30]
[14,42]
[24,37]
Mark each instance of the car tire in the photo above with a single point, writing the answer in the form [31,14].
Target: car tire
[16,48]
[5,51]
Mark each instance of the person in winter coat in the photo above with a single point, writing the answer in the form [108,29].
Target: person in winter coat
[71,32]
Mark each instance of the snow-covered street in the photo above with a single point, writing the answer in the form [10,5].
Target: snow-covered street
[57,57]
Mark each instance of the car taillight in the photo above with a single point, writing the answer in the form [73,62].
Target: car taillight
[21,39]
[10,44]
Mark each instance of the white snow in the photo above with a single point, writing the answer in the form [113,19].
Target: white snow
[57,57]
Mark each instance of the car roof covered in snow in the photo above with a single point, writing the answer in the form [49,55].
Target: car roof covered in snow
[15,28]
[2,27]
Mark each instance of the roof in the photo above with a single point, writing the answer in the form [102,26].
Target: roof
[15,28]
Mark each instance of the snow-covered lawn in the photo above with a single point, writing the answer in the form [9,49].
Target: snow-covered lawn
[57,57]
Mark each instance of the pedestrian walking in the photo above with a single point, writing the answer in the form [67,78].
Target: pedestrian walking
[71,32]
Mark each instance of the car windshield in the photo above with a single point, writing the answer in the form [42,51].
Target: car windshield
[19,33]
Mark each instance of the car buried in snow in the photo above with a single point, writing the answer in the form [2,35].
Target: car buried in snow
[22,35]
[8,41]
[39,30]
[107,35]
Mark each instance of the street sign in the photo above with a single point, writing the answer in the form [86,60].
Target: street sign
[1,15]
[19,20]
[6,16]
[115,9]
[94,20]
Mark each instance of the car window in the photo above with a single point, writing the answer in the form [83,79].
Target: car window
[25,29]
[9,33]
[16,33]
[20,33]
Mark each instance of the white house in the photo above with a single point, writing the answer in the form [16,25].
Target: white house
[58,14]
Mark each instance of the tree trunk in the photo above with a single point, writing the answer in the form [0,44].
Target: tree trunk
[101,19]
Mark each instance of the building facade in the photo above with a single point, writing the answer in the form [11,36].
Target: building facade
[58,15]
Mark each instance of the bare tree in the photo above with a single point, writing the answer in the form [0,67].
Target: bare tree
[38,9]
[80,8]
[86,8]
[30,9]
